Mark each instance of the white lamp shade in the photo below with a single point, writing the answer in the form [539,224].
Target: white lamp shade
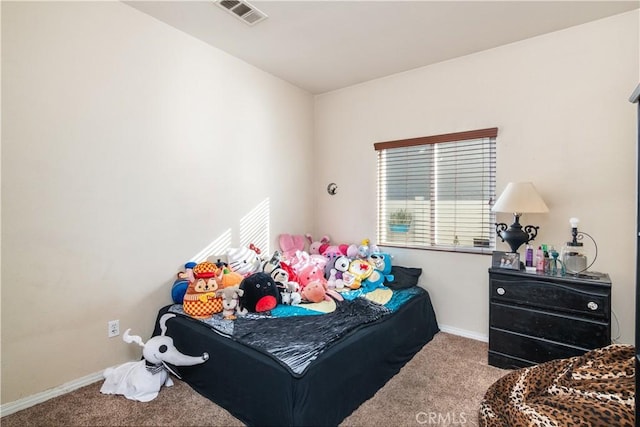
[520,197]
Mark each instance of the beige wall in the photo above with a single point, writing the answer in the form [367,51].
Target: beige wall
[119,133]
[127,148]
[560,102]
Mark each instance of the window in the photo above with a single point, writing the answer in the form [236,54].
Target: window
[436,192]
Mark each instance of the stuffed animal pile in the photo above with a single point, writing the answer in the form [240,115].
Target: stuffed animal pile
[241,281]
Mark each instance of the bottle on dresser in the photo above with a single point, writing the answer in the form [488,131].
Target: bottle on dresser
[528,257]
[539,259]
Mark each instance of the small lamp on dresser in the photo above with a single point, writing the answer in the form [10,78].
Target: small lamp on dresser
[518,198]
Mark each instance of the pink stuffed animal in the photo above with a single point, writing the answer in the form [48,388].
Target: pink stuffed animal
[314,285]
[314,246]
[290,244]
[316,291]
[333,250]
[309,273]
[301,259]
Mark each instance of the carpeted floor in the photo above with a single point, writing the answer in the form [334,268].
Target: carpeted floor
[443,384]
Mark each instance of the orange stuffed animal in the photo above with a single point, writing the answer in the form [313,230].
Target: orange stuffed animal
[228,278]
[200,300]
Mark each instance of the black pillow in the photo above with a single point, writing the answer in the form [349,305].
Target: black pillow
[404,277]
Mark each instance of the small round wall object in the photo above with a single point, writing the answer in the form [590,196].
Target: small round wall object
[332,188]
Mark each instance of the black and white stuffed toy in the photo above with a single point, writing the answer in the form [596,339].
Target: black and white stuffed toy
[289,291]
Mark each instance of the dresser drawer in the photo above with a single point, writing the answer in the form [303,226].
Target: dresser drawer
[577,331]
[543,294]
[535,350]
[505,361]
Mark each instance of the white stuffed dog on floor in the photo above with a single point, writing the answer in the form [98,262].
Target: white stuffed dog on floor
[143,379]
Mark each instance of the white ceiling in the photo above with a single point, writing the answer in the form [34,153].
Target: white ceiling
[325,45]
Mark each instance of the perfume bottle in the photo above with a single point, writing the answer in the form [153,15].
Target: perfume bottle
[539,259]
[529,256]
[547,262]
[554,261]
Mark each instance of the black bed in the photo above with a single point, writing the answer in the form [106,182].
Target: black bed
[258,389]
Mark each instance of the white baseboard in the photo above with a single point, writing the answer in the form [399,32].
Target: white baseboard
[20,404]
[464,333]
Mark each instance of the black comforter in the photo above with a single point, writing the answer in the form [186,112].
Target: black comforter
[297,341]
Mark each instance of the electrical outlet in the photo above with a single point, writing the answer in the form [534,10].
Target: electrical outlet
[113,328]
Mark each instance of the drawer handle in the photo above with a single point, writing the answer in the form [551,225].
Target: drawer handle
[500,291]
[592,305]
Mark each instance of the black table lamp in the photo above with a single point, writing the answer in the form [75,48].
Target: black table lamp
[518,198]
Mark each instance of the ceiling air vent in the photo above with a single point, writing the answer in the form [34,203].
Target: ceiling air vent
[243,11]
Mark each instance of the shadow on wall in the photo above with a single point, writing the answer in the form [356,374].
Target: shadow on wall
[254,230]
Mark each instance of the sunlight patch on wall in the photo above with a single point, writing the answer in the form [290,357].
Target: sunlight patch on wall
[217,247]
[254,228]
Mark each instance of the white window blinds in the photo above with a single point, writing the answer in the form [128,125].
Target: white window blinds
[436,192]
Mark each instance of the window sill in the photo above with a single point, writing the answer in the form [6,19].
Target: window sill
[466,250]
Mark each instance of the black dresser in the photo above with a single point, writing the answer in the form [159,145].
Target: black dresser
[535,317]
